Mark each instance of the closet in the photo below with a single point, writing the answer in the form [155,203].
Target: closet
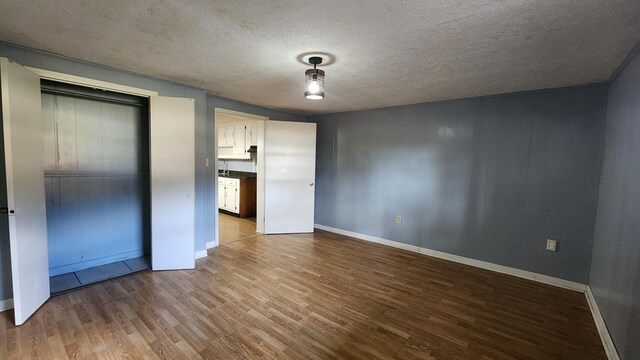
[96,169]
[109,188]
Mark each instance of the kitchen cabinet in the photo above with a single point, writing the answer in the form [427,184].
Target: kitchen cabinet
[239,139]
[251,134]
[221,192]
[226,135]
[233,140]
[237,195]
[228,195]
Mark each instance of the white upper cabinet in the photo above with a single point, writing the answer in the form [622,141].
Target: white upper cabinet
[239,139]
[235,138]
[226,136]
[251,134]
[221,133]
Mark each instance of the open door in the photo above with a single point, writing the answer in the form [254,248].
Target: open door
[290,171]
[24,212]
[172,131]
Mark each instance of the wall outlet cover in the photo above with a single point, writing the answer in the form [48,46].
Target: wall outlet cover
[552,245]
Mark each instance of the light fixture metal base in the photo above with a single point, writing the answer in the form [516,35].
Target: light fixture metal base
[315,60]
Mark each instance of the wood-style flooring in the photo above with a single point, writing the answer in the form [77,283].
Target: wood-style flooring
[234,228]
[315,296]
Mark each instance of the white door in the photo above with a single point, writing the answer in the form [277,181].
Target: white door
[25,207]
[172,131]
[290,168]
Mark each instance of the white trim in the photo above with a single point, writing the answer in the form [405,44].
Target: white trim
[6,304]
[200,254]
[545,279]
[83,81]
[241,114]
[211,244]
[605,336]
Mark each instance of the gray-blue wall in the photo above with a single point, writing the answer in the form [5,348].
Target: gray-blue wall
[486,178]
[615,264]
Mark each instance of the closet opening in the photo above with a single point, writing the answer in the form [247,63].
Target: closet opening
[97,186]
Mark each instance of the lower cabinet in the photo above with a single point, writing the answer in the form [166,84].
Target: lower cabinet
[237,196]
[221,193]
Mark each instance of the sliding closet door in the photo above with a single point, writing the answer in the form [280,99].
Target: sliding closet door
[172,131]
[25,207]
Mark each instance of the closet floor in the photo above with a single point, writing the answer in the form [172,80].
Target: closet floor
[66,282]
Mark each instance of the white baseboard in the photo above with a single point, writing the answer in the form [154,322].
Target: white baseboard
[605,336]
[6,304]
[545,279]
[200,254]
[211,244]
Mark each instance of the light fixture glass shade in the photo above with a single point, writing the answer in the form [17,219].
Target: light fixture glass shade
[314,84]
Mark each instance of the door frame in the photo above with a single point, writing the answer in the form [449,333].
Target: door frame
[260,170]
[93,83]
[103,85]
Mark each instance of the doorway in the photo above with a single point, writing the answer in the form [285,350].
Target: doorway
[238,174]
[284,166]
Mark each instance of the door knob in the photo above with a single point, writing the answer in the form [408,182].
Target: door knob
[311,184]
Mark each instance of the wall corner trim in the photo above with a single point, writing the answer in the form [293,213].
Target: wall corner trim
[605,336]
[545,279]
[6,304]
[200,254]
[211,244]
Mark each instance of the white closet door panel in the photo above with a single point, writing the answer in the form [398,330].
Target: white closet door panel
[290,167]
[25,208]
[172,133]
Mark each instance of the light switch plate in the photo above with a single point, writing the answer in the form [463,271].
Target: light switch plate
[552,245]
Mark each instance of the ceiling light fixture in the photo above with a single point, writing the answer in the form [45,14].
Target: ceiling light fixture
[314,80]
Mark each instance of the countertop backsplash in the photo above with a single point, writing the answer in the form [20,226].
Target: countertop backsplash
[237,165]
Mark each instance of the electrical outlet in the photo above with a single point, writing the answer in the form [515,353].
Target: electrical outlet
[398,219]
[552,245]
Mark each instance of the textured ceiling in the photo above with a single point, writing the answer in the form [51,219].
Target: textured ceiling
[386,52]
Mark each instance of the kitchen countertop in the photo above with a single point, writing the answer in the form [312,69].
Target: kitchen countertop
[238,175]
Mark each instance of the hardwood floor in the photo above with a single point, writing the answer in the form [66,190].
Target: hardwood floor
[315,296]
[234,228]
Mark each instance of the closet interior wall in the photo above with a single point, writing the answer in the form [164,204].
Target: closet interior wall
[96,157]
